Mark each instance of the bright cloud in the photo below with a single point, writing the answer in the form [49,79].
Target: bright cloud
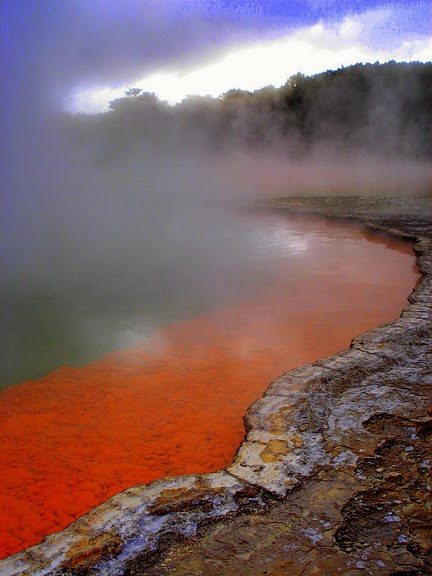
[309,50]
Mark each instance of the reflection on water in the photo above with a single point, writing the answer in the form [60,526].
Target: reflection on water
[172,400]
[77,309]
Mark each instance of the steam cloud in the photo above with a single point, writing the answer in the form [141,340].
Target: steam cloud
[108,224]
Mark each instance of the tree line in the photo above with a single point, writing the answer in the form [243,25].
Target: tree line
[378,108]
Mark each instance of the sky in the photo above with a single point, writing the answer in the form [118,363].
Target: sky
[80,54]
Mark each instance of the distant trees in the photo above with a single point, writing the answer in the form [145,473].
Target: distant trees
[385,108]
[135,97]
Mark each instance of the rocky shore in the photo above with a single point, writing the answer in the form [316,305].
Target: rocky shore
[334,475]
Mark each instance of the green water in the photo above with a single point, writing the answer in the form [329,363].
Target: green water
[76,308]
[79,299]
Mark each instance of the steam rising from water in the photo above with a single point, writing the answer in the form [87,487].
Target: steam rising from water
[120,232]
[96,256]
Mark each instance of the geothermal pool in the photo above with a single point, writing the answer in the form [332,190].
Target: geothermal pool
[173,402]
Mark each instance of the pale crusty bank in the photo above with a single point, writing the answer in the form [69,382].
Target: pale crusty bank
[334,475]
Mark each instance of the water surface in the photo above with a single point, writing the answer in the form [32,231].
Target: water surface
[171,399]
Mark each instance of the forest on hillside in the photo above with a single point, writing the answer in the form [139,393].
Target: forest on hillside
[383,109]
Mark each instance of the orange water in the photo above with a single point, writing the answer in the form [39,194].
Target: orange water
[175,404]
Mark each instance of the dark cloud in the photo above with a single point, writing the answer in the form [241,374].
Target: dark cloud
[51,46]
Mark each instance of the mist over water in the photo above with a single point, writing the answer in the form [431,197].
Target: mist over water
[96,256]
[100,247]
[91,255]
[111,226]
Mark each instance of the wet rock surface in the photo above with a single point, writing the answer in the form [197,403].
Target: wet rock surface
[333,477]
